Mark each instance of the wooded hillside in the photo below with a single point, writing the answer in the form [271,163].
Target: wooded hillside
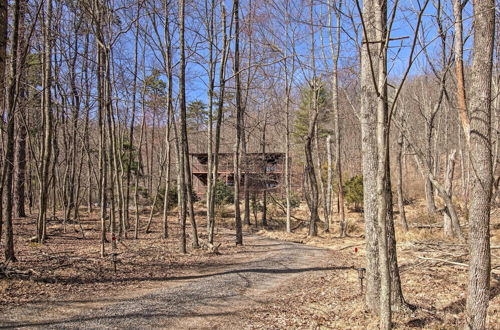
[134,129]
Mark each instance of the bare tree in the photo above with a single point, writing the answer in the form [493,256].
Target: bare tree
[312,195]
[8,168]
[183,154]
[480,159]
[20,166]
[239,127]
[335,50]
[4,23]
[46,151]
[368,95]
[218,124]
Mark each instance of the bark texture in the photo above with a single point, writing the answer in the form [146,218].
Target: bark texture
[478,290]
[369,65]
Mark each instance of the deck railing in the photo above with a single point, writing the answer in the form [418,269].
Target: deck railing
[245,168]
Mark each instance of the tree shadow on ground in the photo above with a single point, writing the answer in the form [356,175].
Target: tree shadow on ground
[77,280]
[75,322]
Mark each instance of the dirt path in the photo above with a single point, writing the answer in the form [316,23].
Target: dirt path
[208,299]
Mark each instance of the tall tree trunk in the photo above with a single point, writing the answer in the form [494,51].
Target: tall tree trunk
[218,124]
[369,63]
[211,93]
[132,120]
[8,170]
[46,153]
[4,24]
[170,117]
[239,114]
[310,174]
[98,22]
[20,166]
[289,75]
[478,288]
[185,174]
[383,174]
[335,50]
[139,164]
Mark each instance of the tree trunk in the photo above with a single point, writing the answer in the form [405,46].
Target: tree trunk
[8,170]
[478,289]
[329,183]
[4,23]
[46,153]
[369,155]
[170,118]
[429,189]
[289,75]
[458,48]
[322,188]
[211,92]
[98,22]
[310,176]
[218,124]
[401,205]
[183,147]
[398,303]
[383,174]
[264,193]
[132,120]
[335,50]
[20,190]
[20,166]
[239,114]
[312,196]
[448,186]
[139,165]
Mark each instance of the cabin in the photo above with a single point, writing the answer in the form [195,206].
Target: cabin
[264,172]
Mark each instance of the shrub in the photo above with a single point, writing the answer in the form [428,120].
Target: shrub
[353,190]
[172,197]
[281,202]
[294,200]
[223,194]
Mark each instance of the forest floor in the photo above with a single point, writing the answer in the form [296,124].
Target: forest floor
[276,280]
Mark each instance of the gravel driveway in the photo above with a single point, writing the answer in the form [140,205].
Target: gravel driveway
[210,299]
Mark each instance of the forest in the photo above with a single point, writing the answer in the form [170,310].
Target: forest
[276,164]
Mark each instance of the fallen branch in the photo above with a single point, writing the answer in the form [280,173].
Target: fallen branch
[210,247]
[427,226]
[349,246]
[7,272]
[493,270]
